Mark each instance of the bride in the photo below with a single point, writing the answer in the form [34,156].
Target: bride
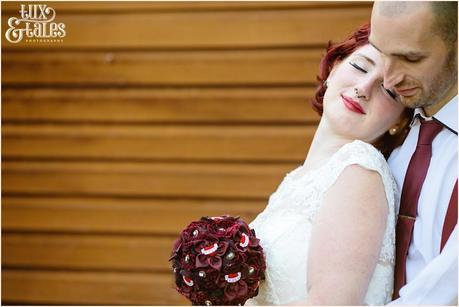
[328,230]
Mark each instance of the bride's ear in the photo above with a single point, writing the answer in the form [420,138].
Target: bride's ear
[401,125]
[394,129]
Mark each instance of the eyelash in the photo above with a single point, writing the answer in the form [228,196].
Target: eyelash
[389,92]
[357,67]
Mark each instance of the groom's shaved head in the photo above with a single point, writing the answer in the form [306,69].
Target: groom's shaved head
[444,22]
[395,9]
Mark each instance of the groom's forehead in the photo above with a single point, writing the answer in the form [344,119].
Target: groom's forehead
[398,30]
[388,50]
[400,38]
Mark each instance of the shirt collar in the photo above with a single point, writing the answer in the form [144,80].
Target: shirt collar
[447,116]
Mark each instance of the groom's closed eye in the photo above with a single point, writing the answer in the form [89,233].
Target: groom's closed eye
[390,93]
[412,59]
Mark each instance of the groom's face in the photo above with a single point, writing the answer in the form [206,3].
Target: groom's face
[417,62]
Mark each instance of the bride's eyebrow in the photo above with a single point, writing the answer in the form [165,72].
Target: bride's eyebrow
[366,58]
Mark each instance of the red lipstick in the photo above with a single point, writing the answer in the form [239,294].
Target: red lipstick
[352,105]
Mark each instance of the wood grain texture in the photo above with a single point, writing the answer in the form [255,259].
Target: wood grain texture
[151,106]
[90,215]
[11,7]
[162,68]
[87,252]
[206,143]
[209,180]
[88,288]
[205,29]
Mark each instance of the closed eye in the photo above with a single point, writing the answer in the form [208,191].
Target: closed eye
[357,67]
[389,92]
[412,59]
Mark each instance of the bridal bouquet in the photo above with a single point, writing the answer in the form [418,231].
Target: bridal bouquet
[218,261]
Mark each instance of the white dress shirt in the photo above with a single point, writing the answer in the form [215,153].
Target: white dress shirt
[432,277]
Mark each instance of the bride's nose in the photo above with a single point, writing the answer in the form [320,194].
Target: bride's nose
[359,94]
[363,89]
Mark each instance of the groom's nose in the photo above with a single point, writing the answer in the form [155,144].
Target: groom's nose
[392,74]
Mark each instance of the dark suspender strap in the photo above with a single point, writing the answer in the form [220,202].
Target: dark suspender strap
[450,219]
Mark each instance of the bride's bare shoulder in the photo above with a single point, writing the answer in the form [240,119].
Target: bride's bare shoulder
[357,185]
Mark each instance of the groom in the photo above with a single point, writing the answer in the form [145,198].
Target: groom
[418,41]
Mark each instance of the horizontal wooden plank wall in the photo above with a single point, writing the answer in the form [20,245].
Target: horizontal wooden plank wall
[149,115]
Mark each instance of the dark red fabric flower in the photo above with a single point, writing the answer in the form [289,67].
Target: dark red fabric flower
[218,261]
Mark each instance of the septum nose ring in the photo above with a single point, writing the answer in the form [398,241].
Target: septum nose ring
[357,93]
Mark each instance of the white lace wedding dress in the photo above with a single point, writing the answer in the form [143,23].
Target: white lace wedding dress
[284,228]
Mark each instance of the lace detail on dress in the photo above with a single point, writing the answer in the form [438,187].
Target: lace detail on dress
[289,216]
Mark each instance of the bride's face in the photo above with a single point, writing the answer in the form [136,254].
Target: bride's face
[356,105]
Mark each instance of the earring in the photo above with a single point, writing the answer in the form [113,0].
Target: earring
[393,130]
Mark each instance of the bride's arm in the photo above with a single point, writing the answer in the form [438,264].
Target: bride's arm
[346,238]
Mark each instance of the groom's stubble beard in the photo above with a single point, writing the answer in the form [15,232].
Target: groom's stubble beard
[439,87]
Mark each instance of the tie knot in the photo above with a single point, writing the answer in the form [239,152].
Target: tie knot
[428,131]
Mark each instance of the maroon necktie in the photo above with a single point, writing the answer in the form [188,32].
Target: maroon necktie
[414,179]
